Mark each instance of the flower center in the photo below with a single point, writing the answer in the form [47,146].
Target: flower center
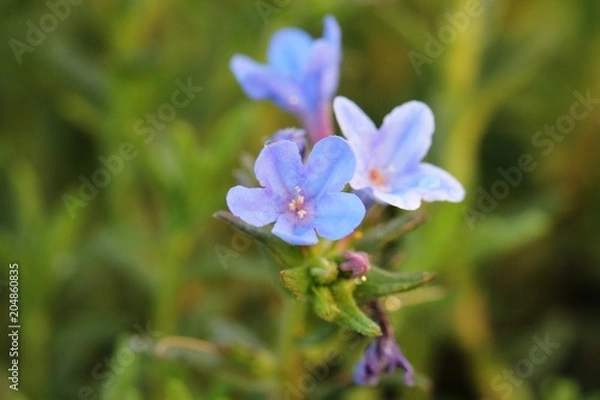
[296,205]
[377,177]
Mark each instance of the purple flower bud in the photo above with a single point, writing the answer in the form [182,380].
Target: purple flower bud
[356,262]
[383,356]
[295,135]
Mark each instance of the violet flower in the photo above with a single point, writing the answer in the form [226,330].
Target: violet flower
[383,356]
[295,135]
[302,199]
[389,159]
[301,75]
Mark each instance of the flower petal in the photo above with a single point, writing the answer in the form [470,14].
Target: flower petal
[427,183]
[436,184]
[405,136]
[356,126]
[330,166]
[302,235]
[331,31]
[253,205]
[338,215]
[360,131]
[321,76]
[319,85]
[261,82]
[279,168]
[409,200]
[289,50]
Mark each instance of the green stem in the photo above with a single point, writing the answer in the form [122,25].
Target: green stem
[290,357]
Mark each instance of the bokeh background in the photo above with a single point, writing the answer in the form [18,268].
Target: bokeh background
[138,292]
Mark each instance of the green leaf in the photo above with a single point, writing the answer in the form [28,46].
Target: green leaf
[380,282]
[287,255]
[391,231]
[324,303]
[336,303]
[297,280]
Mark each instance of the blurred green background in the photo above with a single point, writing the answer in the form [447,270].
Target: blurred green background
[136,292]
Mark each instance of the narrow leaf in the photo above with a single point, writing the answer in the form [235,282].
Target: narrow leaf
[380,282]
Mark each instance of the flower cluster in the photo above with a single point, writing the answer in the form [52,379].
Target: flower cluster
[304,174]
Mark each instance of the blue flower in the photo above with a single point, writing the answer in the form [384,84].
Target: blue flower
[301,198]
[301,76]
[389,163]
[383,356]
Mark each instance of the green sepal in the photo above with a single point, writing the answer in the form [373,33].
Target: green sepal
[324,271]
[284,253]
[391,231]
[336,303]
[380,282]
[297,280]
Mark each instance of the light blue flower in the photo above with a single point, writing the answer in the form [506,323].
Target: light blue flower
[301,198]
[301,75]
[389,163]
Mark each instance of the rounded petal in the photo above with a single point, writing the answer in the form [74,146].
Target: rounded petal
[261,82]
[279,168]
[428,183]
[405,136]
[247,72]
[435,184]
[337,215]
[330,166]
[253,205]
[409,200]
[289,50]
[301,235]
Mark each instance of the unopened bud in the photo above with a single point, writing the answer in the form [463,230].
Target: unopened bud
[355,262]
